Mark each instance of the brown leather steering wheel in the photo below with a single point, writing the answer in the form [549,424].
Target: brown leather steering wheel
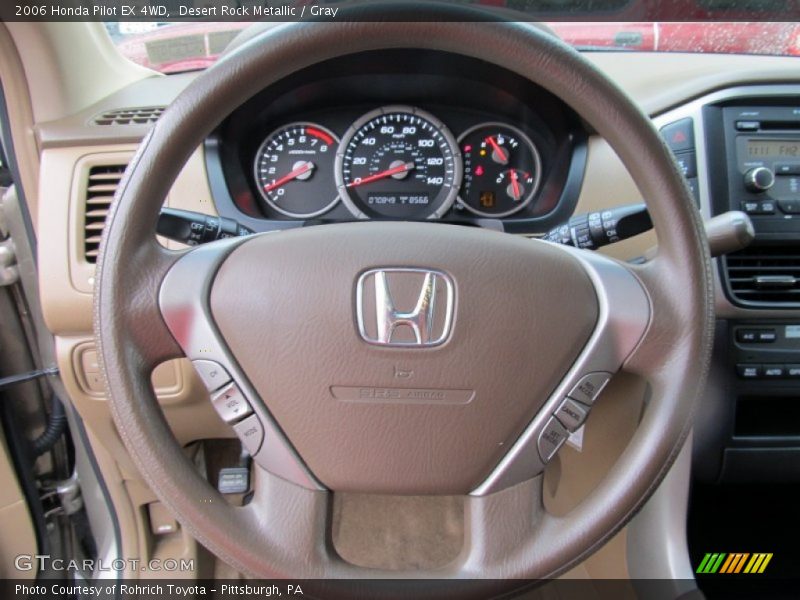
[278,313]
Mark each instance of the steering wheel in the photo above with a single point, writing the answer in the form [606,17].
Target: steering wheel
[294,325]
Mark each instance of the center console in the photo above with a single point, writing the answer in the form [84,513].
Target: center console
[748,154]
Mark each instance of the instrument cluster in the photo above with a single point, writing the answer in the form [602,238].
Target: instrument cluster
[397,162]
[399,134]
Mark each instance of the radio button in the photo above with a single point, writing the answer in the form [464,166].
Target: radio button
[231,404]
[790,207]
[687,162]
[759,179]
[213,375]
[747,125]
[758,208]
[787,169]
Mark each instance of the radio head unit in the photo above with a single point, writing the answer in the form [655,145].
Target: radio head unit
[763,150]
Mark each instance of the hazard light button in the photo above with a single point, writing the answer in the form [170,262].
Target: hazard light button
[679,135]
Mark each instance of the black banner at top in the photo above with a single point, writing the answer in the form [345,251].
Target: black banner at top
[398,10]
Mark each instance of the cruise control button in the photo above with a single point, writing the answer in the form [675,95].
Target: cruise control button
[251,432]
[588,389]
[231,404]
[213,375]
[571,414]
[551,438]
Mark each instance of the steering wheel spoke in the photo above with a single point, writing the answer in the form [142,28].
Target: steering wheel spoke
[623,318]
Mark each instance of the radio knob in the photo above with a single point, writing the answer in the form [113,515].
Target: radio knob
[759,179]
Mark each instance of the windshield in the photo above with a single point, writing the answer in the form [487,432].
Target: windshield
[178,47]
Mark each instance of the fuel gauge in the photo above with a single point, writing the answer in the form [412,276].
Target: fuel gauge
[502,170]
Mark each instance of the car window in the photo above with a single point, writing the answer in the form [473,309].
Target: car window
[177,47]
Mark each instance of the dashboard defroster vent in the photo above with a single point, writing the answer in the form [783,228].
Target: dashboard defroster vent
[101,185]
[130,116]
[765,276]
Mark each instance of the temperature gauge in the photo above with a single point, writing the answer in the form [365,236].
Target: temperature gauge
[502,170]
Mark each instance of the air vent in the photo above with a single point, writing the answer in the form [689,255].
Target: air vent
[130,116]
[101,185]
[765,276]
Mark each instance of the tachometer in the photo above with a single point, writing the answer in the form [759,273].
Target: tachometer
[294,170]
[398,162]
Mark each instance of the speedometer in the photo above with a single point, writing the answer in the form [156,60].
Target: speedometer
[398,162]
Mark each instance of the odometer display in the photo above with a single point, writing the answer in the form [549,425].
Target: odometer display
[398,162]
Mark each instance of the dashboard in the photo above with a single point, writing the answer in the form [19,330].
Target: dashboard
[399,135]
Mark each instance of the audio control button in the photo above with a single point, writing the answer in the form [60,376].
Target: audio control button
[251,432]
[213,375]
[787,169]
[231,404]
[790,207]
[759,179]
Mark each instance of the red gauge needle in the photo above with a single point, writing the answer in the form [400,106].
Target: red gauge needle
[501,154]
[383,174]
[515,184]
[301,170]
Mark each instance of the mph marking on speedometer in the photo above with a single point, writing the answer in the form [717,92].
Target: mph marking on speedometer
[398,162]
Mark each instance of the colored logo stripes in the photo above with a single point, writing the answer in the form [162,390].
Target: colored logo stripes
[737,562]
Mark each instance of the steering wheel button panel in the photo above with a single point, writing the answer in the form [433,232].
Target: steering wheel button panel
[550,440]
[589,387]
[213,374]
[571,414]
[251,432]
[231,404]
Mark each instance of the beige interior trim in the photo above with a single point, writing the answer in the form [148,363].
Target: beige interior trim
[607,184]
[660,81]
[66,279]
[20,113]
[55,57]
[15,521]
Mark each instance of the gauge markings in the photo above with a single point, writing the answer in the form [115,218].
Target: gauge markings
[398,162]
[294,170]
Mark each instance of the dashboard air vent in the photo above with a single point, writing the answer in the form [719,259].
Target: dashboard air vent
[130,116]
[765,275]
[101,185]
